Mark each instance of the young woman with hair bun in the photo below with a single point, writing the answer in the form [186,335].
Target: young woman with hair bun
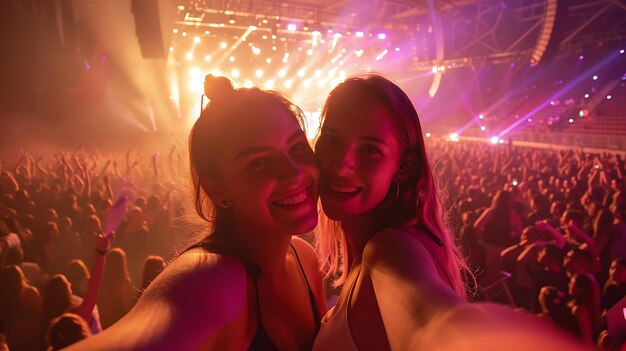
[247,283]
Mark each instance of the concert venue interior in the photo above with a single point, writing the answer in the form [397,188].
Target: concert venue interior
[522,96]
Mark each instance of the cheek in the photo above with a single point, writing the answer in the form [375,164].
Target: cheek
[312,165]
[325,159]
[381,172]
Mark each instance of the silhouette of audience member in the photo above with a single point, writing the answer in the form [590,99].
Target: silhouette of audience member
[66,330]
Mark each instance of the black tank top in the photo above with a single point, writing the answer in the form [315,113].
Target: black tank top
[262,340]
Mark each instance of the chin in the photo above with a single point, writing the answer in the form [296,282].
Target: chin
[333,213]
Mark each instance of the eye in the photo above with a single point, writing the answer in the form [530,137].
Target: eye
[257,163]
[371,150]
[299,147]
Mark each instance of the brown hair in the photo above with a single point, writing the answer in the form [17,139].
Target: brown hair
[226,104]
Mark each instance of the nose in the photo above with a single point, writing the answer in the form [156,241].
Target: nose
[290,171]
[343,162]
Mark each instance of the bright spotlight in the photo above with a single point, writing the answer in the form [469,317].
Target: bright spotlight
[196,40]
[318,73]
[483,128]
[428,135]
[481,116]
[595,77]
[231,59]
[301,72]
[247,84]
[359,34]
[494,139]
[269,84]
[292,27]
[235,73]
[189,56]
[259,73]
[309,52]
[306,83]
[268,60]
[382,36]
[454,136]
[223,45]
[288,84]
[501,141]
[282,72]
[207,58]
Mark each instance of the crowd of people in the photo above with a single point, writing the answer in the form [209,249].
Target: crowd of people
[53,213]
[552,223]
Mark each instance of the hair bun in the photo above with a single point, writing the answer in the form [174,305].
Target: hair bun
[217,87]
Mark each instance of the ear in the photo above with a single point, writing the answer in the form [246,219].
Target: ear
[214,189]
[407,168]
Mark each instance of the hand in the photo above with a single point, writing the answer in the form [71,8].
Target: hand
[103,243]
[543,225]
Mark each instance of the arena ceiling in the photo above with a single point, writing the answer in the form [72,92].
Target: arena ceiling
[464,31]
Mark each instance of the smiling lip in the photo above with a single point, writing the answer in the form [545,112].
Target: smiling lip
[293,199]
[343,189]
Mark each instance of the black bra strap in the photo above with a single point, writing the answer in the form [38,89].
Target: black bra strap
[316,312]
[254,271]
[258,303]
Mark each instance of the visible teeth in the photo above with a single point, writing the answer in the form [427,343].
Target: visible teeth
[293,200]
[348,189]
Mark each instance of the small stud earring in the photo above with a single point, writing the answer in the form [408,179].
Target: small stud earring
[226,203]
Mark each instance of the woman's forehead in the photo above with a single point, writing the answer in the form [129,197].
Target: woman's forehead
[264,126]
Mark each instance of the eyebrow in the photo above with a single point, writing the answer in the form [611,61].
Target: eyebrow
[364,137]
[258,149]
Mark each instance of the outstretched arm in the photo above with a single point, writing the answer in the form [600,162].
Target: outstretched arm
[420,311]
[485,217]
[198,302]
[97,270]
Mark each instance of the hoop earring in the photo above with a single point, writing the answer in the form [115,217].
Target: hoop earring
[419,195]
[226,203]
[397,190]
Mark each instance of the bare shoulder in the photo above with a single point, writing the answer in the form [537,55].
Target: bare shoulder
[198,278]
[397,249]
[310,263]
[304,249]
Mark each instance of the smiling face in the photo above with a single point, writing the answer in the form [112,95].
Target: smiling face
[359,153]
[268,171]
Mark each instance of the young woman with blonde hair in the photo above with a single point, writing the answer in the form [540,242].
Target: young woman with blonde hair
[384,237]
